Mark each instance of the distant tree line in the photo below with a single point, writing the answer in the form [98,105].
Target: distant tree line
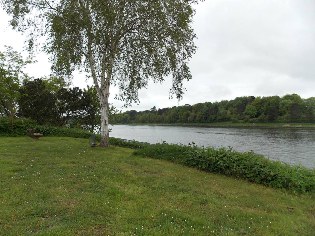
[289,108]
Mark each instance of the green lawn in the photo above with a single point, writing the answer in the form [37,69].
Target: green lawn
[61,186]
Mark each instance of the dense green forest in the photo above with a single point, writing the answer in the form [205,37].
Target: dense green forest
[289,108]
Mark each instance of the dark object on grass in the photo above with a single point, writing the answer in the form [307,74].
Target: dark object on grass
[93,140]
[33,134]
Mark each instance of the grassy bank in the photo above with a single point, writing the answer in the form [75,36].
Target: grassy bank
[61,186]
[248,165]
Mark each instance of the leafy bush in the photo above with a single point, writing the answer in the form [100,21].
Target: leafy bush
[127,143]
[16,127]
[62,132]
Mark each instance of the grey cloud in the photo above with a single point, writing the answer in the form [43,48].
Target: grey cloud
[261,47]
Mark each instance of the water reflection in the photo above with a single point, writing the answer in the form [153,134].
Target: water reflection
[294,146]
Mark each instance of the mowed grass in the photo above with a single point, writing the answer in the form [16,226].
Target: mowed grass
[61,186]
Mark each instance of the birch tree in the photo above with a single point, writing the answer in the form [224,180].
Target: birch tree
[122,43]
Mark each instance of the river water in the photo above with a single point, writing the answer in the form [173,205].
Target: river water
[293,146]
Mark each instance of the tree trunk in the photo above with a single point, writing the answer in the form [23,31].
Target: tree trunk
[104,125]
[104,117]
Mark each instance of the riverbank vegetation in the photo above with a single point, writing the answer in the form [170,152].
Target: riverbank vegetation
[242,110]
[61,186]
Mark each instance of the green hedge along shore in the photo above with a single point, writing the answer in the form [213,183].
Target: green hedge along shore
[20,126]
[249,166]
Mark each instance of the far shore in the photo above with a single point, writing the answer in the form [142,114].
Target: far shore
[232,125]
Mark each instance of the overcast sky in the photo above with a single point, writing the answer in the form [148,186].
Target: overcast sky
[245,47]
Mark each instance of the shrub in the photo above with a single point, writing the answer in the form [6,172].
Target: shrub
[16,127]
[19,127]
[127,143]
[62,132]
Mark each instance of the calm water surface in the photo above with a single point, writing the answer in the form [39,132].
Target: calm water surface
[293,146]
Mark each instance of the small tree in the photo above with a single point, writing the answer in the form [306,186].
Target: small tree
[121,43]
[9,93]
[90,116]
[78,106]
[11,75]
[37,102]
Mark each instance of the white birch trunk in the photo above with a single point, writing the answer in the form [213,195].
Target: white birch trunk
[105,118]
